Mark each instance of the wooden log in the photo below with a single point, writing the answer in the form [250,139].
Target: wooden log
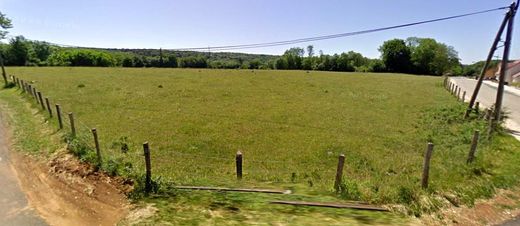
[332,205]
[72,125]
[271,191]
[473,148]
[98,149]
[339,172]
[148,178]
[238,161]
[48,106]
[426,166]
[58,113]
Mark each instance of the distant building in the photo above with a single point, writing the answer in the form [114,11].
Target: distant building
[512,71]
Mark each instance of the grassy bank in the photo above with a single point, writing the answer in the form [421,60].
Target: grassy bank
[290,125]
[35,134]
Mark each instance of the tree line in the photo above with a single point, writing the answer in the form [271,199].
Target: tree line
[413,55]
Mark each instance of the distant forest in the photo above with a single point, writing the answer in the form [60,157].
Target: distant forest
[413,55]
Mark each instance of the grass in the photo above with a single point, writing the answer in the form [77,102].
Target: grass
[290,125]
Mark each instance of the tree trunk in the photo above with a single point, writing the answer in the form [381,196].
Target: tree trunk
[3,69]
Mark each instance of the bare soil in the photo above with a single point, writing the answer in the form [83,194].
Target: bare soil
[65,191]
[505,205]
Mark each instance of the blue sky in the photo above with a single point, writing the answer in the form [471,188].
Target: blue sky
[197,23]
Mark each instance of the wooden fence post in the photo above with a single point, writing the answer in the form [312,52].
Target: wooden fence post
[48,106]
[148,178]
[426,166]
[463,96]
[473,149]
[72,126]
[238,161]
[58,113]
[35,95]
[489,112]
[29,88]
[455,91]
[339,172]
[41,100]
[477,107]
[96,143]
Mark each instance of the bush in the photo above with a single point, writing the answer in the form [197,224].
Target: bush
[82,57]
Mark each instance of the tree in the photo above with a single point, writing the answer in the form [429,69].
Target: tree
[128,62]
[281,63]
[395,55]
[161,62]
[293,57]
[39,52]
[310,51]
[171,61]
[431,57]
[5,23]
[18,51]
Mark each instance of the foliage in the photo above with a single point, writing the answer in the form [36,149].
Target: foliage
[430,57]
[396,55]
[18,52]
[193,62]
[81,57]
[5,23]
[416,55]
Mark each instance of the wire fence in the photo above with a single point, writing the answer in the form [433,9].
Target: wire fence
[193,163]
[82,129]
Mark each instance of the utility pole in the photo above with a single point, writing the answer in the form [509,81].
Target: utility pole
[486,65]
[503,69]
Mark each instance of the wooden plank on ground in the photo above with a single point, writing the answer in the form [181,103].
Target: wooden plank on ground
[234,189]
[332,205]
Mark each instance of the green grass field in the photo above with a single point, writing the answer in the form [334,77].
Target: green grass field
[290,125]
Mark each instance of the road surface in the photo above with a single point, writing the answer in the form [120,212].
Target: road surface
[487,95]
[14,208]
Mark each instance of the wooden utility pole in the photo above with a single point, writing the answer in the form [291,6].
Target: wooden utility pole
[488,61]
[503,69]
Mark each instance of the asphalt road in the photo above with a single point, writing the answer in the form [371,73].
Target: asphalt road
[14,208]
[487,97]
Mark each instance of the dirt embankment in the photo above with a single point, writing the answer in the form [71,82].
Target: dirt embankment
[65,191]
[505,205]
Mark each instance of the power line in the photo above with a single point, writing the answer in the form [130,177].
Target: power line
[318,38]
[311,39]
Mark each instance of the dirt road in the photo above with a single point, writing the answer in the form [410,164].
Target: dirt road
[14,207]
